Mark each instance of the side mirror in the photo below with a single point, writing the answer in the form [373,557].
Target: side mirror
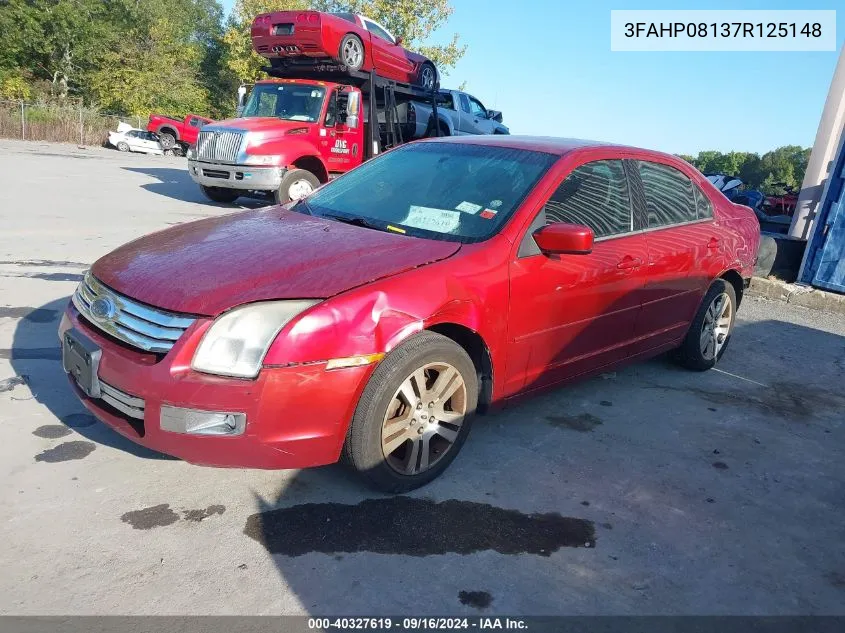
[560,238]
[353,107]
[494,115]
[399,40]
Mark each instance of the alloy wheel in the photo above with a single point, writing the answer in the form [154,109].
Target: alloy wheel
[353,54]
[716,326]
[424,418]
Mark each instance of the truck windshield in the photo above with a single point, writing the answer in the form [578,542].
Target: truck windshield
[292,102]
[437,190]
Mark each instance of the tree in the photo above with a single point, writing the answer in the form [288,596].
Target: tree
[412,20]
[239,58]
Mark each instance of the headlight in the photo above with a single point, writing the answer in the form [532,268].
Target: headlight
[236,343]
[262,159]
[191,154]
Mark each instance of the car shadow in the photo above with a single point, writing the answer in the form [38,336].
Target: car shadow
[35,357]
[177,184]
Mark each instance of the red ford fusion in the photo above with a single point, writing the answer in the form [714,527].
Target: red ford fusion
[353,40]
[373,319]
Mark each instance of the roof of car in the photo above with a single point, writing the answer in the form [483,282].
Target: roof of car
[548,144]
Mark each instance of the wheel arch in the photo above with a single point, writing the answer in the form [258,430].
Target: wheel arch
[170,130]
[313,164]
[735,279]
[474,345]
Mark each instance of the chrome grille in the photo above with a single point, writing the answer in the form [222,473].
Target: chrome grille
[142,326]
[127,404]
[219,146]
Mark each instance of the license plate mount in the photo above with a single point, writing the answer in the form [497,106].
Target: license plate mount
[81,359]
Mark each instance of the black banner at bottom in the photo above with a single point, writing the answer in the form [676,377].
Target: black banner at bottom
[401,624]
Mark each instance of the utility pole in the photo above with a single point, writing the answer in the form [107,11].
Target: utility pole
[23,121]
[824,150]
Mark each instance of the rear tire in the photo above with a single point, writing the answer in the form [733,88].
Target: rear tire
[398,442]
[351,52]
[167,140]
[710,330]
[295,185]
[123,146]
[219,194]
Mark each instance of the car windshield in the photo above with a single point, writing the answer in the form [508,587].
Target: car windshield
[292,102]
[447,191]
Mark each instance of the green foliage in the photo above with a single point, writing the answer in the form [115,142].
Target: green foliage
[771,173]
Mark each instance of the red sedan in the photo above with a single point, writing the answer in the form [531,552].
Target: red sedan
[349,39]
[376,316]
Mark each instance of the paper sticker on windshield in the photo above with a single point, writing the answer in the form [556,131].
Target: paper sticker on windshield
[495,204]
[469,207]
[439,220]
[487,214]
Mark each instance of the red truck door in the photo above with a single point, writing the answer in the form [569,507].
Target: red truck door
[340,145]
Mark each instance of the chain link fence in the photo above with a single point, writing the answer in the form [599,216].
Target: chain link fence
[69,123]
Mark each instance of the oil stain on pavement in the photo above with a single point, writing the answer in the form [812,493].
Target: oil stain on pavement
[475,599]
[583,422]
[199,515]
[66,451]
[10,383]
[52,431]
[414,527]
[163,515]
[155,516]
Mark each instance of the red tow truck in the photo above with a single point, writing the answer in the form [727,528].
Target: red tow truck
[300,128]
[173,132]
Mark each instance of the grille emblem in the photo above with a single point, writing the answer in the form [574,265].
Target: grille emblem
[103,309]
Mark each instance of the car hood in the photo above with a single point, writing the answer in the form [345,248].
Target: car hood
[208,266]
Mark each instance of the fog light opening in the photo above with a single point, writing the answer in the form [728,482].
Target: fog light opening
[197,422]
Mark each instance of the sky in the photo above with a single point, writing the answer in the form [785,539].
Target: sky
[547,65]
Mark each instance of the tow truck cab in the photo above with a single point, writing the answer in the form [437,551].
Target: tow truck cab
[292,136]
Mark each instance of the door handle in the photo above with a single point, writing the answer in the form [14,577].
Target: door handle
[629,262]
[713,243]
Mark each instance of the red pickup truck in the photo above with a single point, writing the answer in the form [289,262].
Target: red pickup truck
[173,132]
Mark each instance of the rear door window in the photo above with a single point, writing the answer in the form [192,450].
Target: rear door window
[594,195]
[464,103]
[669,195]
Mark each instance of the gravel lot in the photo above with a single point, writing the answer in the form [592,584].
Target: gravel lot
[714,493]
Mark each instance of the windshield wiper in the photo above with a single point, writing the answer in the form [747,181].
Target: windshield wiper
[355,221]
[302,204]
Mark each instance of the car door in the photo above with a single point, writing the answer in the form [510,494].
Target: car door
[132,140]
[480,121]
[387,55]
[571,314]
[683,248]
[465,117]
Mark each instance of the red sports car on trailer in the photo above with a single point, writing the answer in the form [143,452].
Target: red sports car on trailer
[349,39]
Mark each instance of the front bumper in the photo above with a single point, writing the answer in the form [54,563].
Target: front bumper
[246,177]
[296,416]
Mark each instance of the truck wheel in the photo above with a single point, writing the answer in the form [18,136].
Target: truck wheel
[428,75]
[122,146]
[167,140]
[296,184]
[219,194]
[351,52]
[414,414]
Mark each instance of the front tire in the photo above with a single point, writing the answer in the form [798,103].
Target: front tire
[295,185]
[711,328]
[219,194]
[414,415]
[351,53]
